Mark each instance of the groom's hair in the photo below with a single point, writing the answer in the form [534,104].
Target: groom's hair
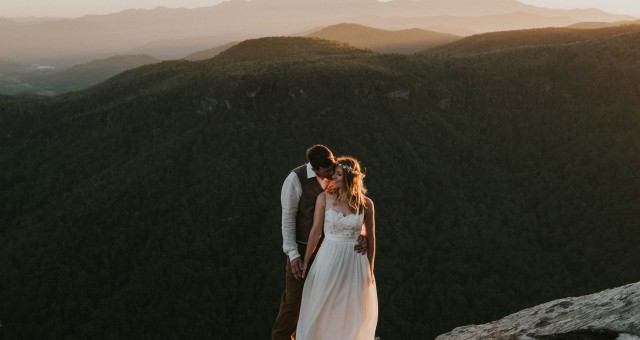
[320,156]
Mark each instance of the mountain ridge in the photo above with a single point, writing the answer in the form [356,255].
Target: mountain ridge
[488,42]
[122,31]
[384,41]
[274,48]
[592,25]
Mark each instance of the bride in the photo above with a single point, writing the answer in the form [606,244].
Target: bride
[339,300]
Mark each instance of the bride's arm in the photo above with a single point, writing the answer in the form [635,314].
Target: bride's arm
[370,228]
[316,231]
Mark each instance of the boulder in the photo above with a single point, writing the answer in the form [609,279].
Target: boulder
[610,314]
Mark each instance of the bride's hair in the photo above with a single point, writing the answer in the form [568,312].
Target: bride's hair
[352,190]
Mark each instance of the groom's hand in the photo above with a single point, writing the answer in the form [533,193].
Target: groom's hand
[361,247]
[296,268]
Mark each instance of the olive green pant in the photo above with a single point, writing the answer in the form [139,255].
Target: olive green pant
[287,320]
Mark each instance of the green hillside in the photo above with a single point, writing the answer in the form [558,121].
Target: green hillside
[148,206]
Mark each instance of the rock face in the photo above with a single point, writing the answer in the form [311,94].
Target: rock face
[610,314]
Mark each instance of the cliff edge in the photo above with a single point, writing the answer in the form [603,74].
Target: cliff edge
[610,314]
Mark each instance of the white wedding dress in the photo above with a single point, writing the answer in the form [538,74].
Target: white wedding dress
[339,300]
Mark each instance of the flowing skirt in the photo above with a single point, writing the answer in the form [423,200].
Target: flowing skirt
[339,300]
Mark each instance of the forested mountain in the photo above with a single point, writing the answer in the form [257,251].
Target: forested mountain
[148,206]
[384,41]
[256,51]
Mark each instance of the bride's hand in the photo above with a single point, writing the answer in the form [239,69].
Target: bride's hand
[304,269]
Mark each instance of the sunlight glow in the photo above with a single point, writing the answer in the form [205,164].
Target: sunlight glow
[77,8]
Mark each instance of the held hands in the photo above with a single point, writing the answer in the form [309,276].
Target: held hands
[296,268]
[361,247]
[299,269]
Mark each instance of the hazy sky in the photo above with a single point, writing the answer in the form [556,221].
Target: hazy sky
[76,8]
[629,7]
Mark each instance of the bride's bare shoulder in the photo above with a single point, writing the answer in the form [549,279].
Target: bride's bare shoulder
[368,202]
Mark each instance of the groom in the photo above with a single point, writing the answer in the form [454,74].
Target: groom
[298,198]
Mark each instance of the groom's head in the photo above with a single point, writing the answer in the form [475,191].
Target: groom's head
[321,160]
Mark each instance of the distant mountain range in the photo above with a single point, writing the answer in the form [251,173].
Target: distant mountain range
[44,79]
[19,78]
[94,36]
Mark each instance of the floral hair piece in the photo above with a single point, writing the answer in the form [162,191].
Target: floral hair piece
[348,168]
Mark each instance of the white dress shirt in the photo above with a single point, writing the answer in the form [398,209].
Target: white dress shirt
[290,198]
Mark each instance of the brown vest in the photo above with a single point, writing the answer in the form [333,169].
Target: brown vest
[310,191]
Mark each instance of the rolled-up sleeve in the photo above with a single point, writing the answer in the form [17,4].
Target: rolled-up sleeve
[290,198]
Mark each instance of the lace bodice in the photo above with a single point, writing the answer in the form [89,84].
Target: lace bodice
[338,224]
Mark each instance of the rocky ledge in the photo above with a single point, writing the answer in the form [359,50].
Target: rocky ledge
[610,314]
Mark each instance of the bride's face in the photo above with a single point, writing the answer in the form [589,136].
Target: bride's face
[337,178]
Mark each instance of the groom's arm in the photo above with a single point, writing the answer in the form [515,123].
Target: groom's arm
[290,198]
[363,244]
